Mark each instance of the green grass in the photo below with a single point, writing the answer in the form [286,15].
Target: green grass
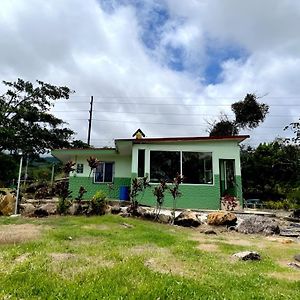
[101,258]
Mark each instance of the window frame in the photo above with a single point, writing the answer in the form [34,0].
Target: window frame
[181,165]
[112,175]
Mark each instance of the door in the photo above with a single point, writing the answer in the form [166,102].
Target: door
[227,177]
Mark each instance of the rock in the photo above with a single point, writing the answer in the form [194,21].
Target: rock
[125,214]
[40,213]
[140,211]
[115,210]
[7,205]
[149,215]
[50,208]
[187,218]
[296,214]
[74,209]
[107,209]
[127,225]
[297,257]
[162,218]
[259,224]
[27,209]
[294,265]
[209,231]
[247,255]
[221,218]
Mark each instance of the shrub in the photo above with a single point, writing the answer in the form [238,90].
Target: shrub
[99,203]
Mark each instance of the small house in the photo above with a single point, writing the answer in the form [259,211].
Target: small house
[210,166]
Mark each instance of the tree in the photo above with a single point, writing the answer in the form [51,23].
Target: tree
[295,127]
[25,119]
[270,171]
[249,113]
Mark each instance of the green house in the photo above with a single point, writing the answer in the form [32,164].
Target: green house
[210,166]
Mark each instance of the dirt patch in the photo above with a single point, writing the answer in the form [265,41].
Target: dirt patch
[62,256]
[149,249]
[14,234]
[295,276]
[87,241]
[69,265]
[97,227]
[22,258]
[208,247]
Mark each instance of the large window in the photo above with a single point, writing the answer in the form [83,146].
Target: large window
[164,165]
[104,172]
[196,167]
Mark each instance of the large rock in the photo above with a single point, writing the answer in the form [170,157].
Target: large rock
[27,209]
[187,218]
[74,209]
[115,209]
[221,219]
[7,205]
[247,255]
[50,208]
[162,218]
[259,224]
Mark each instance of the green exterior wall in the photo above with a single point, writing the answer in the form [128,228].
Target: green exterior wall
[76,182]
[193,196]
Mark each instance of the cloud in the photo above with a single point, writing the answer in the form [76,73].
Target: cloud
[154,64]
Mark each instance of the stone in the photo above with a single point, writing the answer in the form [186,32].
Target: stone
[259,224]
[115,210]
[209,231]
[125,214]
[40,213]
[27,209]
[247,255]
[297,257]
[294,265]
[187,218]
[296,214]
[50,208]
[107,209]
[221,219]
[7,205]
[162,218]
[74,209]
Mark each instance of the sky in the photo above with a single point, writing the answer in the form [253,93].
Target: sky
[169,67]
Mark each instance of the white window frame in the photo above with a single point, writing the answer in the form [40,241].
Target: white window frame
[113,172]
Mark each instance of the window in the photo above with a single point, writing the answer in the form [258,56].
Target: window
[196,167]
[79,168]
[164,165]
[141,162]
[104,172]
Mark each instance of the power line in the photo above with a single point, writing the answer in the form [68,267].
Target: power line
[160,113]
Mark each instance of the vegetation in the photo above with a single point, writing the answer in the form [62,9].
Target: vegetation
[25,119]
[249,113]
[271,172]
[99,203]
[101,258]
[138,186]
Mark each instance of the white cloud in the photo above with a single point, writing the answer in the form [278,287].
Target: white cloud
[101,53]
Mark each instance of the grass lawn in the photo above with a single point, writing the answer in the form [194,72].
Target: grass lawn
[110,257]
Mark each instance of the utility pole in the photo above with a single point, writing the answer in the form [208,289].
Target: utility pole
[90,121]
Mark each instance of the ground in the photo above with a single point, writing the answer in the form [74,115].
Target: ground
[110,257]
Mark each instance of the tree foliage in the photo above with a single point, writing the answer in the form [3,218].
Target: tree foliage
[270,171]
[249,113]
[25,119]
[295,128]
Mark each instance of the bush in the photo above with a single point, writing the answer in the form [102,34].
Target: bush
[294,197]
[99,203]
